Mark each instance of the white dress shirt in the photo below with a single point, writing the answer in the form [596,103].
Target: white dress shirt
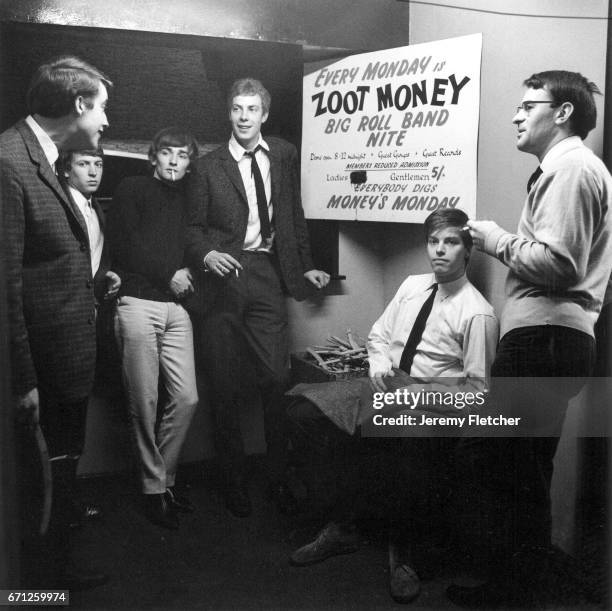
[252,240]
[459,339]
[94,231]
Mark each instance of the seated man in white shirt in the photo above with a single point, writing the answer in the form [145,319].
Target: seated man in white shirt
[438,326]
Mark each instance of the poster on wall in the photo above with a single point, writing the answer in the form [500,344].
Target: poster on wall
[392,135]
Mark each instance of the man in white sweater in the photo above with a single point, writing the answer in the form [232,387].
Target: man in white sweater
[559,262]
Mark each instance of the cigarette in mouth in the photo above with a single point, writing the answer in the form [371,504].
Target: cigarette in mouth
[172,171]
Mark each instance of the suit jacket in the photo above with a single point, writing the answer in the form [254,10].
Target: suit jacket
[49,283]
[100,283]
[219,213]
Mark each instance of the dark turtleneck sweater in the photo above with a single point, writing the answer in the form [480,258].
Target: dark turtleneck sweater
[146,233]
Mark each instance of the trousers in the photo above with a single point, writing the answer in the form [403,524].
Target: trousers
[45,557]
[512,476]
[243,347]
[156,344]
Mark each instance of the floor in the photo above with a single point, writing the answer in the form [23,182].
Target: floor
[218,562]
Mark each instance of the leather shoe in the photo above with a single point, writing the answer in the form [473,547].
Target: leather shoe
[237,501]
[180,502]
[75,580]
[332,540]
[283,498]
[160,512]
[404,584]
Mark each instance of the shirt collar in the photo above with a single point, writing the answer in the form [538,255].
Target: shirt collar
[446,289]
[47,145]
[559,149]
[237,150]
[78,197]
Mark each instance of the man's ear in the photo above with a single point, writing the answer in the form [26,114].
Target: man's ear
[564,112]
[264,117]
[79,105]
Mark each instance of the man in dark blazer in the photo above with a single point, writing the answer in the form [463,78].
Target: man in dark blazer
[50,289]
[248,234]
[80,173]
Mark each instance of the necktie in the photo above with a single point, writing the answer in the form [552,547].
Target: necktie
[416,333]
[533,178]
[262,202]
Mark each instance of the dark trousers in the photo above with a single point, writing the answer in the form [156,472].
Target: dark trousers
[329,460]
[511,477]
[244,348]
[405,481]
[44,558]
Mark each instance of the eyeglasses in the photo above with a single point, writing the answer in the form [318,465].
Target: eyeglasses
[526,105]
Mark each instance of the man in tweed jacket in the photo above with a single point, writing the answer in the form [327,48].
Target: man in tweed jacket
[50,286]
[249,235]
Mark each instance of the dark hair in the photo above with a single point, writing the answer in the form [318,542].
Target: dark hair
[448,217]
[565,86]
[173,136]
[249,86]
[57,83]
[64,161]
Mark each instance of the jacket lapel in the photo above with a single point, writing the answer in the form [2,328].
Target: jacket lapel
[275,177]
[228,163]
[47,175]
[95,204]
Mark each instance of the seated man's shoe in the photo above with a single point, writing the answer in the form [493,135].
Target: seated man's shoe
[283,498]
[159,511]
[404,583]
[179,501]
[78,580]
[237,501]
[333,540]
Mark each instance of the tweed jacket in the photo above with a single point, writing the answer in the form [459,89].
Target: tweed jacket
[50,288]
[219,214]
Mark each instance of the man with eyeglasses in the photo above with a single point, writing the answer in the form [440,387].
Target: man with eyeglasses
[559,263]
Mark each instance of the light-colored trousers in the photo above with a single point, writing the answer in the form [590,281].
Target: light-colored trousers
[156,338]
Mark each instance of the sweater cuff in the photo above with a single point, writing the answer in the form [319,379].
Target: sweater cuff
[492,239]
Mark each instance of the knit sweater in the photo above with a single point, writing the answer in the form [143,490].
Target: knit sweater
[146,233]
[561,257]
